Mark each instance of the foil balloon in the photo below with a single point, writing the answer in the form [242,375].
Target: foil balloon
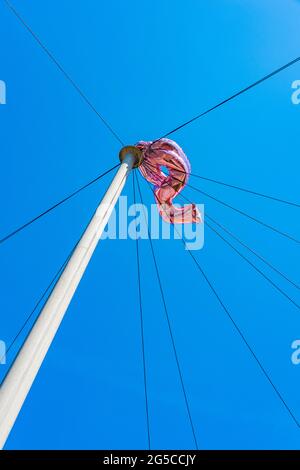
[166,154]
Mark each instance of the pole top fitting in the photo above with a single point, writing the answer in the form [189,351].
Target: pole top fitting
[135,152]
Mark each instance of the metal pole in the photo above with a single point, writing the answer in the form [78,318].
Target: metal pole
[20,378]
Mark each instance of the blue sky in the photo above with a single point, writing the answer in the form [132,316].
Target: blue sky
[147,67]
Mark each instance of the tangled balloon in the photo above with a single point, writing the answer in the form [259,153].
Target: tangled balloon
[167,154]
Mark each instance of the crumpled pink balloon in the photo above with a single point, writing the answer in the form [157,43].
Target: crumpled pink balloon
[166,153]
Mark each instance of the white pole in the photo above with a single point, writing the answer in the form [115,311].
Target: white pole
[20,378]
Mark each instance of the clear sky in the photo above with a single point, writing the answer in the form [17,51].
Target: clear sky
[147,67]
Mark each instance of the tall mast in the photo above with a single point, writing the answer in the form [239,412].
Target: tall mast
[21,375]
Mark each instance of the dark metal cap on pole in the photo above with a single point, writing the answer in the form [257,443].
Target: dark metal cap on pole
[135,152]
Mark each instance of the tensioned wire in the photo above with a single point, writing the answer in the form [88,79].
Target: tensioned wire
[170,328]
[239,188]
[57,204]
[62,70]
[236,327]
[48,289]
[138,264]
[266,262]
[232,97]
[239,211]
[245,245]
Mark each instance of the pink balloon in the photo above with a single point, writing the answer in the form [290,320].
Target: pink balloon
[167,153]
